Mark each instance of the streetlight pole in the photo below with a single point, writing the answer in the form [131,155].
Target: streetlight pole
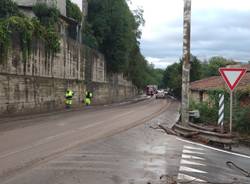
[186,63]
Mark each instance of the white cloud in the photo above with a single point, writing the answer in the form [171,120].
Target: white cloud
[78,2]
[161,62]
[242,5]
[219,27]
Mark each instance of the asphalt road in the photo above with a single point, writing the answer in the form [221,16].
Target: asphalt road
[28,143]
[118,145]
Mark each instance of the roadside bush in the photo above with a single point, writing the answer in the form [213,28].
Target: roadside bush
[208,113]
[8,8]
[241,119]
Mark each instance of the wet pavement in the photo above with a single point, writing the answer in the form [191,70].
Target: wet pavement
[141,155]
[135,156]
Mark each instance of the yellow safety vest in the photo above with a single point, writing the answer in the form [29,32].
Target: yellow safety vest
[69,94]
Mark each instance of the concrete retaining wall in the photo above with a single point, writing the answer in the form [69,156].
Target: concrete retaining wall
[39,83]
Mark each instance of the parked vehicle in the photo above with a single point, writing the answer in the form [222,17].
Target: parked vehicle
[151,90]
[160,94]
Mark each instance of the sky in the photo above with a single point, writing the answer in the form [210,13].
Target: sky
[219,28]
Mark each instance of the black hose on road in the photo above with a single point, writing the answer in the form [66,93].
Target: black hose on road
[232,165]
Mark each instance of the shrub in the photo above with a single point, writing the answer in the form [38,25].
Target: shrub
[48,16]
[73,11]
[208,113]
[27,29]
[241,119]
[8,8]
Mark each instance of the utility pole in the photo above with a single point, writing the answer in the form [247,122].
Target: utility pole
[186,63]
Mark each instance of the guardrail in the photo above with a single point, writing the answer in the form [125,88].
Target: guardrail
[226,139]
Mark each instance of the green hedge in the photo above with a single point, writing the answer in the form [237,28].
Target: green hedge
[209,111]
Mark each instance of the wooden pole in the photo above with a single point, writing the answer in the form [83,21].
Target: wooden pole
[186,63]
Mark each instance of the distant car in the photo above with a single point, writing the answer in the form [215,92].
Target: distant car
[165,92]
[160,94]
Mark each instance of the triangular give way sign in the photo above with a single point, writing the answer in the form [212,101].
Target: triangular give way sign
[232,76]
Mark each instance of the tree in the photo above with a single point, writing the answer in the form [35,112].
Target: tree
[212,67]
[48,16]
[73,11]
[196,69]
[115,29]
[172,77]
[8,8]
[88,37]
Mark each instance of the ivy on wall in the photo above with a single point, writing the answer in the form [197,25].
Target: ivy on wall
[73,11]
[8,8]
[48,16]
[26,28]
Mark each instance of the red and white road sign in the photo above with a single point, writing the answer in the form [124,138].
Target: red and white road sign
[232,76]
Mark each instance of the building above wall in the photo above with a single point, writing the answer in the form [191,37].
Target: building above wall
[60,4]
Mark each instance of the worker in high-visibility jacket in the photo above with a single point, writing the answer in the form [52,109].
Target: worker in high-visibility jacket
[88,97]
[68,98]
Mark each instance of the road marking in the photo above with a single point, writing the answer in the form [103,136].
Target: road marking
[189,169]
[192,152]
[193,148]
[209,147]
[188,178]
[185,156]
[191,163]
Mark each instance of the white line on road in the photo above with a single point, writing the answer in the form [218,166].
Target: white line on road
[193,148]
[192,152]
[187,178]
[219,150]
[189,169]
[191,163]
[185,156]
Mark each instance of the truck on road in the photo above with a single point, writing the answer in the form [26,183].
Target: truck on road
[151,90]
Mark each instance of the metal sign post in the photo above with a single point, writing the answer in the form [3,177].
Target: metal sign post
[231,110]
[232,77]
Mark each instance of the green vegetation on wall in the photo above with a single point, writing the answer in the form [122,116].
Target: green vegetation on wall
[26,29]
[73,11]
[8,8]
[48,16]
